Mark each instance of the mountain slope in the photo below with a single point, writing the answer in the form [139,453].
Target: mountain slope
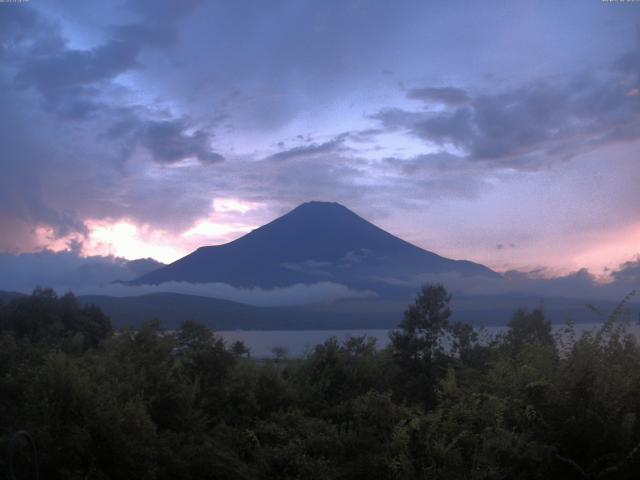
[316,241]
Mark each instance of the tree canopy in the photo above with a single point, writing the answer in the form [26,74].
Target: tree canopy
[437,403]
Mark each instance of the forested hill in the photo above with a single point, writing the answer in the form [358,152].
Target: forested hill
[8,296]
[173,308]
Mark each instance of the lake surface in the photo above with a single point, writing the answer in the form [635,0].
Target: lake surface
[297,342]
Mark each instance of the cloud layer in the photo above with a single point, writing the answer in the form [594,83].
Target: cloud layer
[99,275]
[66,269]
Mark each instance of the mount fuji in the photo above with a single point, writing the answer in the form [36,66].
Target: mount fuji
[315,242]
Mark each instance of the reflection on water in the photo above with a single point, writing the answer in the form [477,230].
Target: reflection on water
[297,342]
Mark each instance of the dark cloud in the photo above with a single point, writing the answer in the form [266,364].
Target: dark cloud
[455,128]
[306,151]
[581,284]
[22,28]
[365,136]
[67,269]
[447,95]
[73,81]
[628,273]
[169,142]
[529,126]
[158,22]
[65,163]
[163,11]
[70,80]
[137,34]
[28,175]
[70,68]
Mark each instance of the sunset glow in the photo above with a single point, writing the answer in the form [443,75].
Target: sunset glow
[125,239]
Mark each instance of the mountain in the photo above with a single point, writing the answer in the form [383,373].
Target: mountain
[316,241]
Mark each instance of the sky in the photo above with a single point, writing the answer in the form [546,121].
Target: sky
[502,132]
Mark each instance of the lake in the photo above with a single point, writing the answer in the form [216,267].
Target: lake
[297,342]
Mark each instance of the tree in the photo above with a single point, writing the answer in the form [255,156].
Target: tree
[239,349]
[424,324]
[466,346]
[45,317]
[193,334]
[417,345]
[526,328]
[279,352]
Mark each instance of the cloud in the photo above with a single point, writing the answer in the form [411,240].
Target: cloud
[59,70]
[67,269]
[446,95]
[154,83]
[580,284]
[628,273]
[531,125]
[438,175]
[28,171]
[70,81]
[73,83]
[169,142]
[629,63]
[70,131]
[305,151]
[163,11]
[137,34]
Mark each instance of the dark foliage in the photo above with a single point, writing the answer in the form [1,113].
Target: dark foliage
[438,403]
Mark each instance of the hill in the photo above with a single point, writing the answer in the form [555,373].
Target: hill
[172,308]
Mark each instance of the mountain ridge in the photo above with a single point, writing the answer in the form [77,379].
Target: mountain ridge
[219,314]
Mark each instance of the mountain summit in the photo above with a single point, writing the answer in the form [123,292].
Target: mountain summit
[317,241]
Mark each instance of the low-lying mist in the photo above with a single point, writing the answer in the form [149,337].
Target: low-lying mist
[102,275]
